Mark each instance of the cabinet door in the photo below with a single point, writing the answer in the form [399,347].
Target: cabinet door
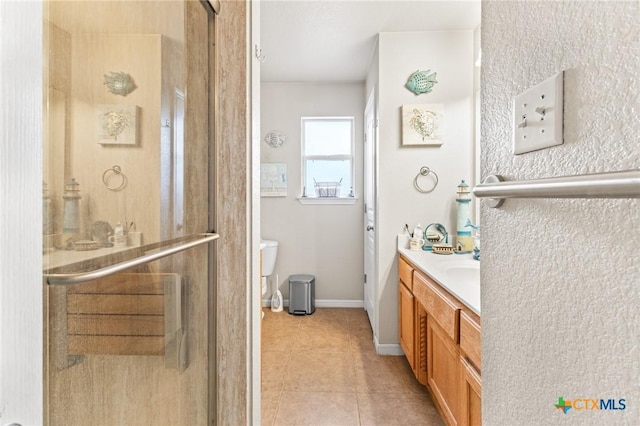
[406,306]
[471,406]
[443,371]
[405,273]
[420,343]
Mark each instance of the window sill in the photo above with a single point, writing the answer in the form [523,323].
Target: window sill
[327,200]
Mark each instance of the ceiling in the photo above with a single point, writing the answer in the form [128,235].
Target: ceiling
[333,40]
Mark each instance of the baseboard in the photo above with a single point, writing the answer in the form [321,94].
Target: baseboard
[387,348]
[328,303]
[324,303]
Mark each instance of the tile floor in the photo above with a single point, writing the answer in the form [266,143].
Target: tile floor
[322,369]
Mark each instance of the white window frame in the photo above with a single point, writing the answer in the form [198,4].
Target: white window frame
[309,197]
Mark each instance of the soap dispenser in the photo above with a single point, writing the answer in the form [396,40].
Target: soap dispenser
[417,231]
[119,239]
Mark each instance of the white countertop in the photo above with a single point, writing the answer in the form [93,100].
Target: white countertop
[57,258]
[457,273]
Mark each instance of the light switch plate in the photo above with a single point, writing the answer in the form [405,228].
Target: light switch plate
[537,116]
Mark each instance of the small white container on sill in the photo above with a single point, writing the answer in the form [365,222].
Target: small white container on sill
[134,239]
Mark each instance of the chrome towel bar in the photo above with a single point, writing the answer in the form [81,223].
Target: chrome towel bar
[77,278]
[624,184]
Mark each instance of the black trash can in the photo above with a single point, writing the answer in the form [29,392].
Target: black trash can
[302,294]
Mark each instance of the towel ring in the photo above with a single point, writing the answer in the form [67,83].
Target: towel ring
[425,171]
[110,174]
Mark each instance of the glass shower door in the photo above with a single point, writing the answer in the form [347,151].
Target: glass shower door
[126,198]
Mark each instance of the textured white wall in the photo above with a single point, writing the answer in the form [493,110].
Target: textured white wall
[450,54]
[322,240]
[560,295]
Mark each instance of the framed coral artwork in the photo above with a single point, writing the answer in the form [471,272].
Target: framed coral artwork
[117,124]
[422,124]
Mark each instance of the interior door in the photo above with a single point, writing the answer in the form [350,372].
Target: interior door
[370,211]
[130,347]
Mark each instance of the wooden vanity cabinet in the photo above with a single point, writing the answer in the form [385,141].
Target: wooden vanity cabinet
[470,341]
[421,320]
[441,338]
[470,367]
[443,371]
[406,304]
[412,323]
[442,352]
[406,324]
[470,395]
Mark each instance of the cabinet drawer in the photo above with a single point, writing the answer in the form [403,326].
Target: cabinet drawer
[470,341]
[441,306]
[405,271]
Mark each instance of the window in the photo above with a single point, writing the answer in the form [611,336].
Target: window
[327,157]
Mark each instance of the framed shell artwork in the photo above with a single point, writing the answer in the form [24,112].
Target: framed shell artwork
[422,124]
[117,124]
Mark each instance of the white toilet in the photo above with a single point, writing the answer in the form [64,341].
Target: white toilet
[269,254]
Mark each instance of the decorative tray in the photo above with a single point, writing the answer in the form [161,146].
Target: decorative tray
[442,249]
[85,245]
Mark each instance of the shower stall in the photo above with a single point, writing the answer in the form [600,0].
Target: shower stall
[127,231]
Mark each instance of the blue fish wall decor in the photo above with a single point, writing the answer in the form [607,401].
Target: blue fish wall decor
[421,82]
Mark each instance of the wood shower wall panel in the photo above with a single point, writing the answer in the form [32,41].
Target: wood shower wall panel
[118,304]
[116,345]
[123,284]
[116,325]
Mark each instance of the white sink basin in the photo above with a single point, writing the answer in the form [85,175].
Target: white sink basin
[463,274]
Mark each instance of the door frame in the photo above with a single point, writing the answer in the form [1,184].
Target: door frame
[254,303]
[21,285]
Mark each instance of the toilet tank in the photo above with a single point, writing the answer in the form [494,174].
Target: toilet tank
[269,254]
